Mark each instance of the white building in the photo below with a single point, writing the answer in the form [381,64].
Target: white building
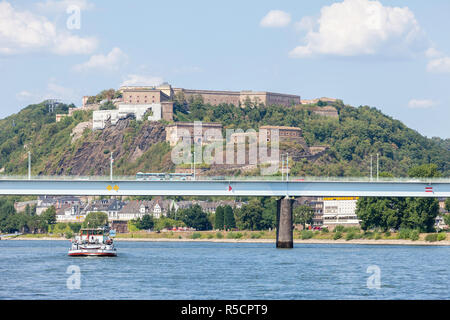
[340,211]
[101,117]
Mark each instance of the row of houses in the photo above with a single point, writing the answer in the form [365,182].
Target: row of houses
[73,209]
[328,211]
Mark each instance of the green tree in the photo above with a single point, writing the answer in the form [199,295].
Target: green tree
[219,218]
[269,214]
[95,220]
[384,213]
[108,105]
[447,219]
[228,218]
[147,222]
[166,223]
[303,215]
[396,213]
[249,217]
[425,171]
[194,217]
[6,210]
[447,204]
[420,213]
[49,216]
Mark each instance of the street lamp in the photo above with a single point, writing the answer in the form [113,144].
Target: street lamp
[111,167]
[29,165]
[194,165]
[378,166]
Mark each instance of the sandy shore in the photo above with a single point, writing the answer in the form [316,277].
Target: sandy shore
[297,241]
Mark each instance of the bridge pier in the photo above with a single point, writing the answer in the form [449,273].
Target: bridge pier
[285,232]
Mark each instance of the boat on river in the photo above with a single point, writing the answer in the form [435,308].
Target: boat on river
[93,242]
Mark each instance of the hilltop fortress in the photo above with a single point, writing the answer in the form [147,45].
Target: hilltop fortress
[159,101]
[165,92]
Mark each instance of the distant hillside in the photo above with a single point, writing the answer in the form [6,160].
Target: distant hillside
[140,146]
[357,134]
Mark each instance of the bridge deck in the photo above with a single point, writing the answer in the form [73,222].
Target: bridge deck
[296,187]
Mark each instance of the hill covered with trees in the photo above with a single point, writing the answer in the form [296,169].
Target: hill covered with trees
[357,134]
[140,146]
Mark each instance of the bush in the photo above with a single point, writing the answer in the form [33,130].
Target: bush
[196,235]
[352,229]
[234,235]
[337,235]
[325,230]
[414,235]
[431,237]
[339,229]
[387,234]
[369,234]
[306,234]
[69,235]
[350,236]
[441,236]
[404,234]
[219,235]
[377,236]
[255,236]
[210,236]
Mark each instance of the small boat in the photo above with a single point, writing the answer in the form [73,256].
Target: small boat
[93,242]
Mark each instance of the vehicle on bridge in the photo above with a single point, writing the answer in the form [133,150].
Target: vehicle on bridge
[164,176]
[93,242]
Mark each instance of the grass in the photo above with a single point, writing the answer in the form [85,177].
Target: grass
[347,234]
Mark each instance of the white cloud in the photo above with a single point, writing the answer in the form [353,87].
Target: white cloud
[25,96]
[439,65]
[66,45]
[22,31]
[361,27]
[110,62]
[421,104]
[52,91]
[53,6]
[433,53]
[276,19]
[56,91]
[142,80]
[306,23]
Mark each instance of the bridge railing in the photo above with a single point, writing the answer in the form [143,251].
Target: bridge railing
[234,178]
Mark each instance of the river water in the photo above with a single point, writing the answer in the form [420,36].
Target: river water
[204,270]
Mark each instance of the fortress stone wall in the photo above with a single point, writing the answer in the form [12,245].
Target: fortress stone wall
[165,92]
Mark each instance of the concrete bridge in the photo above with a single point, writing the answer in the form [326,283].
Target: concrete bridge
[227,186]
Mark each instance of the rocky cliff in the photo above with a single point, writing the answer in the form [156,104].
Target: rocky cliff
[128,141]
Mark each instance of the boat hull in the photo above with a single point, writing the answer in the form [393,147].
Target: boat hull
[92,253]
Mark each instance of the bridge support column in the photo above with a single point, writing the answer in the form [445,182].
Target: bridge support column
[285,232]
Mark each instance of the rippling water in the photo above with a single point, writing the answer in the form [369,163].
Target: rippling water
[202,270]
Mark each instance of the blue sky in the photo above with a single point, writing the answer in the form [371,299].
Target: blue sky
[392,55]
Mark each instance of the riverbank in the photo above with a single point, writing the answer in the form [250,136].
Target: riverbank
[296,241]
